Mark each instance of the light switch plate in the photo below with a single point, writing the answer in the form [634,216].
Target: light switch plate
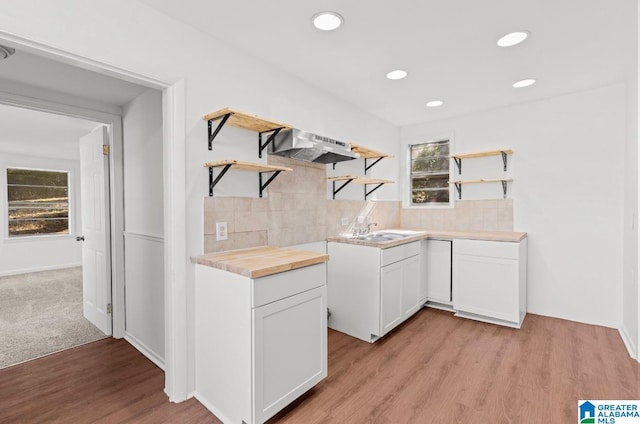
[345,221]
[221,231]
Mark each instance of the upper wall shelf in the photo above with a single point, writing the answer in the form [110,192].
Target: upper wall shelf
[504,182]
[243,166]
[357,180]
[458,157]
[367,153]
[241,120]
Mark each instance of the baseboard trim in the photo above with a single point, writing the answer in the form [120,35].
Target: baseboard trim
[628,342]
[38,269]
[142,348]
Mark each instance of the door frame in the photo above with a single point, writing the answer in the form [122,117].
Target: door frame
[116,204]
[174,179]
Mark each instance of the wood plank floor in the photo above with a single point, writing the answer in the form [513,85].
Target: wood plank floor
[434,368]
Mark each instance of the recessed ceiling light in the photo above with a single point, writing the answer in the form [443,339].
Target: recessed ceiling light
[397,74]
[5,52]
[435,103]
[513,38]
[524,83]
[327,21]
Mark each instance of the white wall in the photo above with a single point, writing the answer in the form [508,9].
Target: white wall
[568,169]
[143,238]
[128,35]
[630,327]
[30,254]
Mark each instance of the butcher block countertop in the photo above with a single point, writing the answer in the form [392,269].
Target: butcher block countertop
[419,234]
[260,261]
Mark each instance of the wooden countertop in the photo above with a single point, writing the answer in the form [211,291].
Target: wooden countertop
[260,261]
[505,236]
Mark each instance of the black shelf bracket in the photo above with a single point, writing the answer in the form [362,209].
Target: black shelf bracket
[274,132]
[459,189]
[340,188]
[504,159]
[271,178]
[367,167]
[212,135]
[459,164]
[213,182]
[367,193]
[504,189]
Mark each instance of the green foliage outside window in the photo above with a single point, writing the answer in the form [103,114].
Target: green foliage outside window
[430,173]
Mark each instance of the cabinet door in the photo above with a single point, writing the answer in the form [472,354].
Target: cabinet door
[486,286]
[289,350]
[438,270]
[390,297]
[410,286]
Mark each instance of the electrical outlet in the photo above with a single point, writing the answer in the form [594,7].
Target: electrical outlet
[221,231]
[345,221]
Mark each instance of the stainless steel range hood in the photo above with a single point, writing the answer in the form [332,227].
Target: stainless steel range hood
[303,145]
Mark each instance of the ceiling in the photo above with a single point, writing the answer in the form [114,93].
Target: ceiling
[35,133]
[41,72]
[448,48]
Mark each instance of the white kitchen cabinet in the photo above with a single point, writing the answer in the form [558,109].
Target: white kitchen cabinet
[260,343]
[436,281]
[372,290]
[489,281]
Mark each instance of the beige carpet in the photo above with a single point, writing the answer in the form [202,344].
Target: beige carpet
[41,313]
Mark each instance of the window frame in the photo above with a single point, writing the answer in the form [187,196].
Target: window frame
[408,193]
[71,220]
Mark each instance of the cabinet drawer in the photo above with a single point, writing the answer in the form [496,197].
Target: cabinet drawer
[488,249]
[278,286]
[398,253]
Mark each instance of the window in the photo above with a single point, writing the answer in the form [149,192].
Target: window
[430,173]
[38,202]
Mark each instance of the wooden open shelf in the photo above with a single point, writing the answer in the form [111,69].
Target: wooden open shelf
[368,154]
[342,178]
[358,180]
[458,157]
[362,180]
[481,154]
[243,120]
[246,166]
[243,166]
[504,182]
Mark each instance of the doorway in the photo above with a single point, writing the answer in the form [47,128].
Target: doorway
[42,286]
[176,364]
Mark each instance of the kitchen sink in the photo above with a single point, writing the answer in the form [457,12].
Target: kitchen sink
[381,236]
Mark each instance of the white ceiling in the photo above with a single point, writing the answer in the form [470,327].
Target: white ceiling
[40,72]
[447,46]
[35,133]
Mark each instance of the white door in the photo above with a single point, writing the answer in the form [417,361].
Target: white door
[96,259]
[390,297]
[438,270]
[289,350]
[410,286]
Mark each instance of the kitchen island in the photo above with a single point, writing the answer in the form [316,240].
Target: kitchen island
[260,330]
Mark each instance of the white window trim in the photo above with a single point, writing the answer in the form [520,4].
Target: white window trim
[38,164]
[407,203]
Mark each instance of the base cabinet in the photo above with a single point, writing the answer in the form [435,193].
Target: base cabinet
[372,290]
[260,343]
[489,281]
[436,262]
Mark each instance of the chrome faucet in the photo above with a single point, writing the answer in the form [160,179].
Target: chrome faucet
[368,229]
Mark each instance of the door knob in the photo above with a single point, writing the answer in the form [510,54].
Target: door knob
[80,238]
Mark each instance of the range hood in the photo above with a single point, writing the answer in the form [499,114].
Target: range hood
[303,145]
